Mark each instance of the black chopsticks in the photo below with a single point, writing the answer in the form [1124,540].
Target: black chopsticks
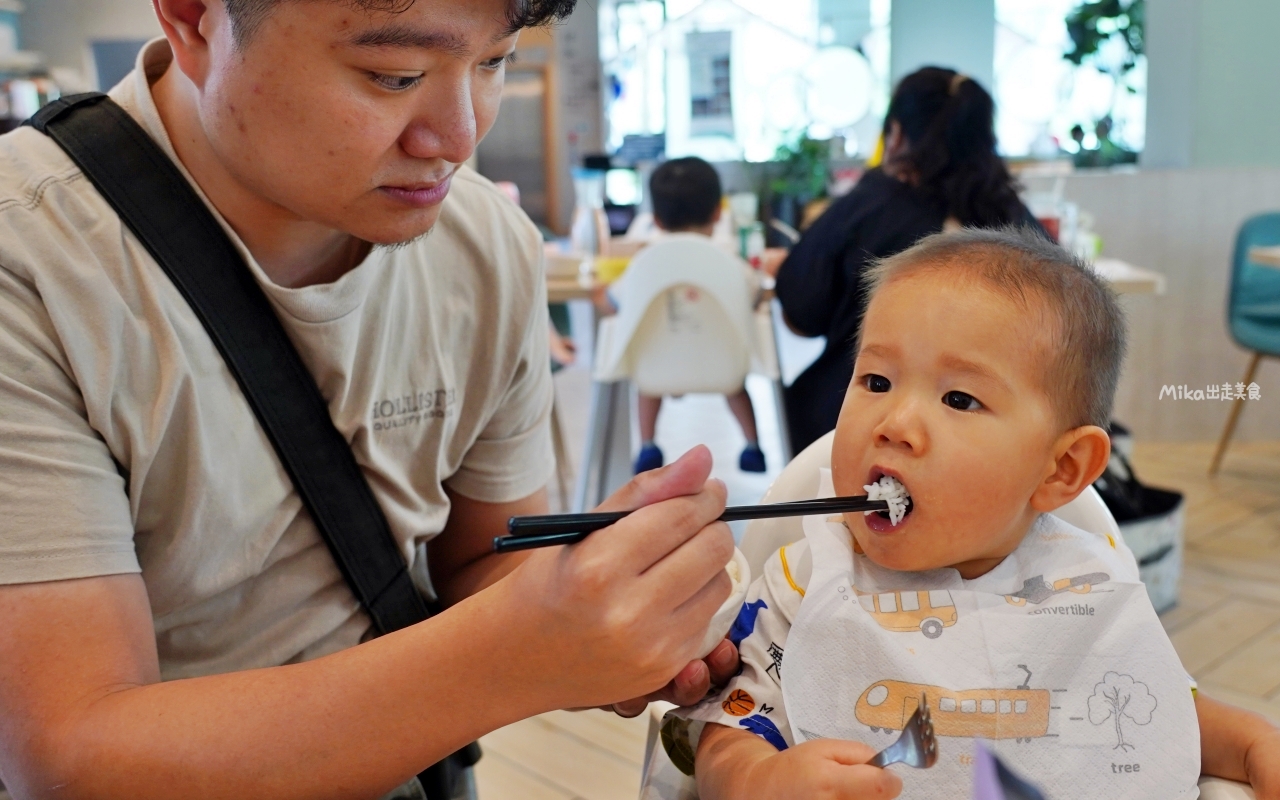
[548,530]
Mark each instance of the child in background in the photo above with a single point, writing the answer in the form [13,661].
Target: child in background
[686,197]
[985,373]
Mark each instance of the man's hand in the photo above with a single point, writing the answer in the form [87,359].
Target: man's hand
[771,260]
[620,614]
[736,765]
[691,684]
[462,562]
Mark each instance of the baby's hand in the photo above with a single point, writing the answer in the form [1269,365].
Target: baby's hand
[824,769]
[737,765]
[1263,766]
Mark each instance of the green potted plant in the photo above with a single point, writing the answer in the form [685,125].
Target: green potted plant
[798,176]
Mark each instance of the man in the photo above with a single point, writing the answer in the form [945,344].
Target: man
[171,624]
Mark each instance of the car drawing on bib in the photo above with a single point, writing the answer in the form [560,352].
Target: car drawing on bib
[1037,590]
[926,611]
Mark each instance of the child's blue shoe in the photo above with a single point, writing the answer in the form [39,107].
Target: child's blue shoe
[752,459]
[650,458]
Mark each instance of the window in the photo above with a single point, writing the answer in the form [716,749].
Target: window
[940,599]
[988,706]
[734,79]
[947,704]
[635,67]
[867,602]
[878,694]
[1006,706]
[1040,95]
[910,601]
[1019,706]
[968,706]
[888,604]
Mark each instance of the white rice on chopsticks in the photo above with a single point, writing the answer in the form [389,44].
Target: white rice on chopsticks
[890,490]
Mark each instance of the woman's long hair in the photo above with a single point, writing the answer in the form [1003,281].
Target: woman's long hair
[948,121]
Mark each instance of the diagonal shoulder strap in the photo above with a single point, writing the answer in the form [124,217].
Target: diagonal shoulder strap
[158,204]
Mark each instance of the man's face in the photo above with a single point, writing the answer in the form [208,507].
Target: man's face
[354,119]
[948,397]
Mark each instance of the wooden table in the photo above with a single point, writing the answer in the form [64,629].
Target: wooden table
[1266,256]
[563,289]
[1125,278]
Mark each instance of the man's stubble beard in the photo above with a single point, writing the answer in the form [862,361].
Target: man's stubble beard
[392,247]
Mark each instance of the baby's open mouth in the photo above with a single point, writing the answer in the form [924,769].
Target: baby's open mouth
[889,489]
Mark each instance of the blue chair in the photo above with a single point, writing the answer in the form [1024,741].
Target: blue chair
[1253,308]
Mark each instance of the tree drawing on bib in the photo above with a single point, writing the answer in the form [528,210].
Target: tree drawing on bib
[1119,697]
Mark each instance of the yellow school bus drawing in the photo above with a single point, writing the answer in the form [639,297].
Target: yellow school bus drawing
[1021,714]
[926,611]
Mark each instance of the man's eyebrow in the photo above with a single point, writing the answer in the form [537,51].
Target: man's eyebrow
[405,36]
[965,366]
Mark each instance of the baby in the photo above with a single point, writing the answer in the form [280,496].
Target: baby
[687,199]
[985,373]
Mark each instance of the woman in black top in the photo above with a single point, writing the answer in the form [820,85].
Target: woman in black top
[940,167]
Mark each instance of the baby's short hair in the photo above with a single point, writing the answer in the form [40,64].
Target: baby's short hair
[1019,262]
[685,193]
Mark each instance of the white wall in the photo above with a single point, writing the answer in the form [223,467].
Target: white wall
[1182,223]
[959,34]
[1212,65]
[1238,118]
[62,29]
[1173,58]
[580,104]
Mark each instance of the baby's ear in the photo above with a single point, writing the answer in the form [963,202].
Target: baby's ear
[1080,456]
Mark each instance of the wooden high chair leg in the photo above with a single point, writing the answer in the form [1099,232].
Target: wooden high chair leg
[1236,408]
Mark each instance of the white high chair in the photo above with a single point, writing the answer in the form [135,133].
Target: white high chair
[686,326]
[763,537]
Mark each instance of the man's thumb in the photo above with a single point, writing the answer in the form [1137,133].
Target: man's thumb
[685,476]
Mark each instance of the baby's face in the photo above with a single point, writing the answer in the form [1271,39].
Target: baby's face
[948,397]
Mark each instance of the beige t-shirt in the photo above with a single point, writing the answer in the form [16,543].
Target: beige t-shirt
[126,446]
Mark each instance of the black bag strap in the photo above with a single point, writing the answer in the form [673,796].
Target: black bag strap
[158,204]
[153,198]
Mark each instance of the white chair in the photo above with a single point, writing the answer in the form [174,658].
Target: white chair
[686,326]
[799,481]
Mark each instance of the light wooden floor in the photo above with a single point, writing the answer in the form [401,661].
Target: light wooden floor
[1226,627]
[563,755]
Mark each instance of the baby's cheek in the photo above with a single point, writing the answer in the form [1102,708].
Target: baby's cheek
[975,482]
[842,475]
[979,517]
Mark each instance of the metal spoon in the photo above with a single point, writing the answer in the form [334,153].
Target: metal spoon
[916,747]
